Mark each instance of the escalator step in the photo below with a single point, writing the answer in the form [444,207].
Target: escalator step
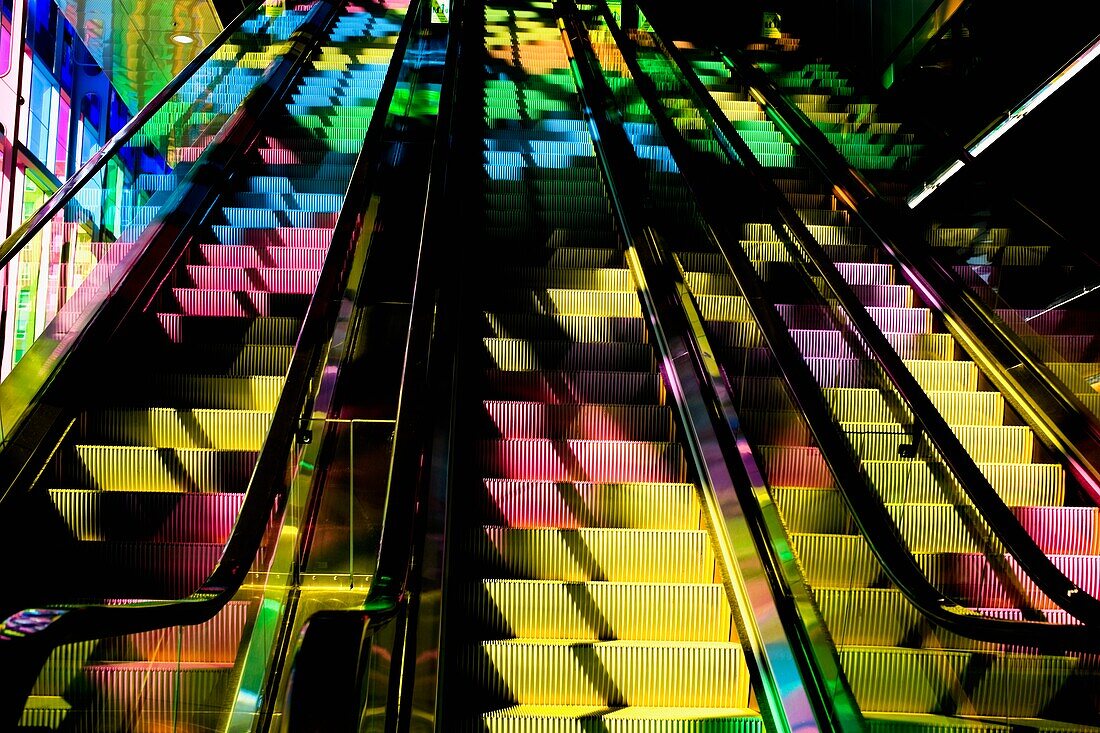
[600,610]
[581,460]
[155,516]
[592,553]
[575,504]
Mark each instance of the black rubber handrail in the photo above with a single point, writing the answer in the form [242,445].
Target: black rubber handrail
[324,687]
[59,198]
[28,637]
[866,505]
[791,676]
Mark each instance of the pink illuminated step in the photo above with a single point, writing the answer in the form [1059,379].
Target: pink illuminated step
[894,320]
[193,302]
[285,236]
[1062,530]
[562,387]
[581,460]
[576,504]
[264,279]
[148,516]
[579,421]
[261,255]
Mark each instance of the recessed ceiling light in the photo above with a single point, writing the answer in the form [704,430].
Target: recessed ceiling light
[183,38]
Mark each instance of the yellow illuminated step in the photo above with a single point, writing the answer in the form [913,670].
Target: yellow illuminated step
[572,672]
[113,467]
[622,555]
[164,427]
[637,719]
[602,610]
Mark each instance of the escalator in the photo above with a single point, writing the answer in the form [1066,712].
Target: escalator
[555,381]
[905,672]
[149,498]
[1039,282]
[584,587]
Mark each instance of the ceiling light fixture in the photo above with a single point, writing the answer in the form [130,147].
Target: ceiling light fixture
[183,38]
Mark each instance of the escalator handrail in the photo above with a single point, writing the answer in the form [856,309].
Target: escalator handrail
[72,185]
[873,519]
[314,671]
[928,19]
[937,285]
[787,675]
[45,628]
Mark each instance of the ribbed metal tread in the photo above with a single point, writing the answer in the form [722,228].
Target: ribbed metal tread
[600,610]
[633,719]
[575,504]
[614,554]
[619,672]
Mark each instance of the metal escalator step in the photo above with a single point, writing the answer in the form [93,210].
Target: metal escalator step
[163,427]
[594,553]
[1018,484]
[634,719]
[263,279]
[911,346]
[157,516]
[570,387]
[724,308]
[224,359]
[958,408]
[651,674]
[241,330]
[920,680]
[890,319]
[600,610]
[555,278]
[261,256]
[795,466]
[581,460]
[931,375]
[575,504]
[837,561]
[115,467]
[985,443]
[212,642]
[116,694]
[314,237]
[196,391]
[1062,530]
[525,355]
[576,328]
[199,302]
[569,302]
[515,419]
[103,570]
[966,575]
[820,510]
